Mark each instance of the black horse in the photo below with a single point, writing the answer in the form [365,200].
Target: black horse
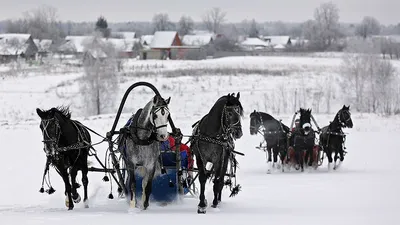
[275,134]
[66,144]
[303,140]
[332,137]
[213,141]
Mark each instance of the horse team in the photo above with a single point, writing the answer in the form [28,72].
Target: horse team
[296,146]
[67,144]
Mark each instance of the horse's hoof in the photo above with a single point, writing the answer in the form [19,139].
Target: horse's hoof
[201,210]
[132,204]
[77,199]
[68,204]
[268,171]
[86,204]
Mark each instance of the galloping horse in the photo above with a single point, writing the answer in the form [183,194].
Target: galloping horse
[303,141]
[141,146]
[332,137]
[275,134]
[66,144]
[213,141]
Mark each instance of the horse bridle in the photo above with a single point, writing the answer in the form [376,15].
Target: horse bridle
[340,114]
[261,123]
[154,111]
[237,124]
[46,137]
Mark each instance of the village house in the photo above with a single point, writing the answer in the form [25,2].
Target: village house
[13,46]
[161,45]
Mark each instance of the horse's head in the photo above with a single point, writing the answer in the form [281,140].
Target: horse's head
[344,117]
[233,111]
[305,120]
[51,123]
[255,122]
[159,117]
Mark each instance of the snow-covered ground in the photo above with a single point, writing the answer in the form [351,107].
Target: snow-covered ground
[363,191]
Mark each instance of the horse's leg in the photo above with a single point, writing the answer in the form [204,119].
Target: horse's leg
[85,182]
[310,151]
[75,195]
[218,181]
[132,185]
[336,165]
[269,160]
[301,159]
[68,200]
[341,153]
[147,187]
[282,154]
[202,206]
[329,156]
[276,153]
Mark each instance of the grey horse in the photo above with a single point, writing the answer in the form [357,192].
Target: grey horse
[147,128]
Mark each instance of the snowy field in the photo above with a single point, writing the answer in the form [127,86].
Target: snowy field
[365,190]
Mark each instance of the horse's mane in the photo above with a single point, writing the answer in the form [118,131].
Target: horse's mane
[214,115]
[64,111]
[266,116]
[228,100]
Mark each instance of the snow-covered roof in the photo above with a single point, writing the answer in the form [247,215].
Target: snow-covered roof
[202,32]
[75,43]
[13,44]
[127,35]
[197,40]
[97,53]
[279,46]
[163,39]
[254,42]
[146,39]
[276,40]
[43,45]
[20,37]
[125,45]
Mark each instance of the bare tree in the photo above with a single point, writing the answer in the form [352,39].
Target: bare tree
[372,81]
[213,19]
[253,31]
[312,33]
[99,85]
[42,23]
[161,22]
[327,20]
[369,26]
[186,25]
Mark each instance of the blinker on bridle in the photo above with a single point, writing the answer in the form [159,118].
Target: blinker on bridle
[163,109]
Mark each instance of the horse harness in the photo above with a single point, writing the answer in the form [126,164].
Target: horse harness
[225,140]
[132,127]
[83,139]
[265,133]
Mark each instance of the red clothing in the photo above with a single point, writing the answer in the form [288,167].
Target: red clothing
[171,142]
[183,147]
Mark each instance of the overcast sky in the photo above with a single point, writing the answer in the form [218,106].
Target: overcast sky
[386,11]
